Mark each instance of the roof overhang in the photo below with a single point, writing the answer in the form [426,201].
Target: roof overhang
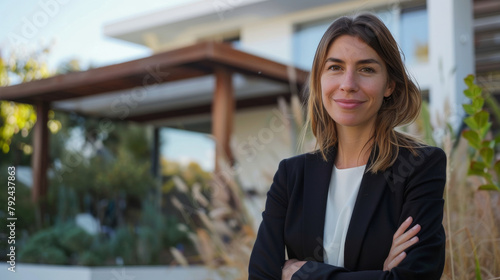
[163,85]
[171,23]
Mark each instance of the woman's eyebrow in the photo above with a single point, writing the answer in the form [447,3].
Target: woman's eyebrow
[332,59]
[363,61]
[369,61]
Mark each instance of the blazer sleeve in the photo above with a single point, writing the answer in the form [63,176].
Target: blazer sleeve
[423,181]
[268,254]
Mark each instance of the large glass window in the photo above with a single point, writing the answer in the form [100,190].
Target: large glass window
[408,26]
[414,35]
[305,41]
[307,36]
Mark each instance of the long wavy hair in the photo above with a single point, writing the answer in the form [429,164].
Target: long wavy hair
[401,108]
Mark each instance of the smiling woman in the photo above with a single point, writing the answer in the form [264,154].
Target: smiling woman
[368,203]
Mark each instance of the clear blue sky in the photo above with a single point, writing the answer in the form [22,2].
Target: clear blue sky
[77,28]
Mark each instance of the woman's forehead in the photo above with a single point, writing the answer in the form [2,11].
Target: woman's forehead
[351,47]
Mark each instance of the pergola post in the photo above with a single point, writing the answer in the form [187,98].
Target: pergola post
[40,152]
[222,115]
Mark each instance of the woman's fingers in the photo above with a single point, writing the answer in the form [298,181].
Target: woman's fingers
[402,240]
[406,236]
[397,260]
[400,248]
[403,227]
[290,267]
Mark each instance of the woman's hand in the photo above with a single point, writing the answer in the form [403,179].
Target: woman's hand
[290,267]
[401,241]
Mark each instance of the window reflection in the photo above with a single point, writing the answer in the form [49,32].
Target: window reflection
[415,35]
[409,27]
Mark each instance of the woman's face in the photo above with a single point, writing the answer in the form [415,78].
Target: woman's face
[353,83]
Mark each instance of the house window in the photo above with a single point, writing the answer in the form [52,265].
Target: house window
[308,35]
[305,41]
[414,35]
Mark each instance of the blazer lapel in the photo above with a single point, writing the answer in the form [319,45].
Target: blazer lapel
[370,192]
[316,184]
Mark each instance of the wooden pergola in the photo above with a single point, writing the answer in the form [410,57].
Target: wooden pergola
[203,59]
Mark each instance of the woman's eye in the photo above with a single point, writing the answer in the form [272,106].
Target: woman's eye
[334,68]
[367,70]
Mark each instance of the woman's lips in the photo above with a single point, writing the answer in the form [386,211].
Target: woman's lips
[348,103]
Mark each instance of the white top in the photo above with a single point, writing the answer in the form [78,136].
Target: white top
[344,187]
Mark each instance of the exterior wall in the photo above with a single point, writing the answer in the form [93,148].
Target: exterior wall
[262,137]
[271,39]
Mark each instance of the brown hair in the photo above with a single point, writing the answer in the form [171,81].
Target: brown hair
[401,108]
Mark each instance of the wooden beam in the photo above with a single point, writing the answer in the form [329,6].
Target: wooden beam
[40,152]
[222,115]
[189,62]
[252,65]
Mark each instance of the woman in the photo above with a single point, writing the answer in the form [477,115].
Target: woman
[368,204]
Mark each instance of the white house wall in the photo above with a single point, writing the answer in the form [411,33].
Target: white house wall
[451,54]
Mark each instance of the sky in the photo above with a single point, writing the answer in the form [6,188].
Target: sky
[76,28]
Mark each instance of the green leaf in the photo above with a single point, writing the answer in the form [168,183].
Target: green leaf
[489,187]
[484,130]
[469,80]
[487,155]
[478,166]
[473,138]
[471,122]
[496,167]
[476,91]
[469,109]
[482,118]
[478,103]
[472,172]
[468,93]
[497,138]
[487,144]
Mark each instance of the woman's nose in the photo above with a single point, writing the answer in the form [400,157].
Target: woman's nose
[349,83]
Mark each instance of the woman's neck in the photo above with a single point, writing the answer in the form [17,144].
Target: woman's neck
[354,147]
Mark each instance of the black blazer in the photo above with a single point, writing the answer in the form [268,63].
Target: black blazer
[295,212]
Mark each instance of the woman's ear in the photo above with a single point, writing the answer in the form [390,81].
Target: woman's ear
[391,85]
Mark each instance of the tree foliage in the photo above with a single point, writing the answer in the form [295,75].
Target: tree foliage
[18,118]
